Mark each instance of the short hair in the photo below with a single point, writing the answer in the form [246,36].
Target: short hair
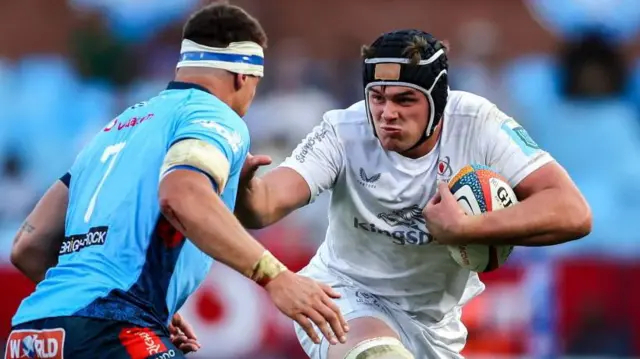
[219,24]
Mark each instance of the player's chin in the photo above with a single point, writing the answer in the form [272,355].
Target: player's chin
[393,144]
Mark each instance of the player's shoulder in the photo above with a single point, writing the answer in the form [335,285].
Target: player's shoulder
[350,124]
[468,109]
[206,104]
[466,104]
[352,115]
[205,109]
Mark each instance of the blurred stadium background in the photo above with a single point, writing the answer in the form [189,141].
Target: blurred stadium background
[568,70]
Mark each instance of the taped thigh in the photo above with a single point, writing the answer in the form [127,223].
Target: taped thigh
[378,348]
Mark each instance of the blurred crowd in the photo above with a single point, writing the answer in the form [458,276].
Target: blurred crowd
[578,95]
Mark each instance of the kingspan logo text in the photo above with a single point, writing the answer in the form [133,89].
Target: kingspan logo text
[404,236]
[409,222]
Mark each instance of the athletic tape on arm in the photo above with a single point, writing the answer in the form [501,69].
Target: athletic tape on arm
[201,155]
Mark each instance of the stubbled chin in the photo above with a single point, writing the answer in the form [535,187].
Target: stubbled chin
[391,145]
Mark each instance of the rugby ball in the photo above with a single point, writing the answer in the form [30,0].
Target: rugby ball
[479,189]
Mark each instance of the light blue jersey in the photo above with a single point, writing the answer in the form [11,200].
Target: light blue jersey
[121,259]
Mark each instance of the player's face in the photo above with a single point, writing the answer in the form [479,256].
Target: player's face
[400,115]
[246,93]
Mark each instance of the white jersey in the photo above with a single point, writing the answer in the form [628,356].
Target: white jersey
[377,239]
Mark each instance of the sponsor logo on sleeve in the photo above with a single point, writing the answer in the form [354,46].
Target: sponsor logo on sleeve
[309,144]
[520,137]
[233,138]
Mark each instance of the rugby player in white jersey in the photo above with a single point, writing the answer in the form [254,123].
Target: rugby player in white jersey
[384,160]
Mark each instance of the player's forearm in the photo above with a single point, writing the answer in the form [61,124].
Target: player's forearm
[36,246]
[252,206]
[196,211]
[271,198]
[33,266]
[29,258]
[214,229]
[546,218]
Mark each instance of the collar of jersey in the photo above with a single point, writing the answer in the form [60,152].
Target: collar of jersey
[177,85]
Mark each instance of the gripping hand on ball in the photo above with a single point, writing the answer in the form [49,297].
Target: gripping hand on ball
[445,219]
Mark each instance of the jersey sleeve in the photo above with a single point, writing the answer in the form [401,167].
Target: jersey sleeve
[318,159]
[78,165]
[508,148]
[211,142]
[66,179]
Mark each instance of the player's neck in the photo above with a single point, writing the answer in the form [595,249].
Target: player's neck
[212,84]
[425,147]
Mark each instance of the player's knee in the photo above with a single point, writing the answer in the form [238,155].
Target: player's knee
[379,348]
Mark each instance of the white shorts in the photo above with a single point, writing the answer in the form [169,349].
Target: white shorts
[442,340]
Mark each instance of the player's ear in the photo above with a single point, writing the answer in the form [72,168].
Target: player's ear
[240,81]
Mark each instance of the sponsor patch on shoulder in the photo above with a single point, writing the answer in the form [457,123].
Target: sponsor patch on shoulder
[520,136]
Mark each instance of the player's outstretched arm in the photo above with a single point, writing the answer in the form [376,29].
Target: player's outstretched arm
[312,168]
[188,201]
[190,204]
[266,200]
[37,243]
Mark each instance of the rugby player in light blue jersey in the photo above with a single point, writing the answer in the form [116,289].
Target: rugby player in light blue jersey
[121,241]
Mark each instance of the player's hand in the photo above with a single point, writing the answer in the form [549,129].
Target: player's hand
[304,300]
[182,335]
[251,165]
[444,217]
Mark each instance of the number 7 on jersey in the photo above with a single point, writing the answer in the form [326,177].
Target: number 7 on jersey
[111,151]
